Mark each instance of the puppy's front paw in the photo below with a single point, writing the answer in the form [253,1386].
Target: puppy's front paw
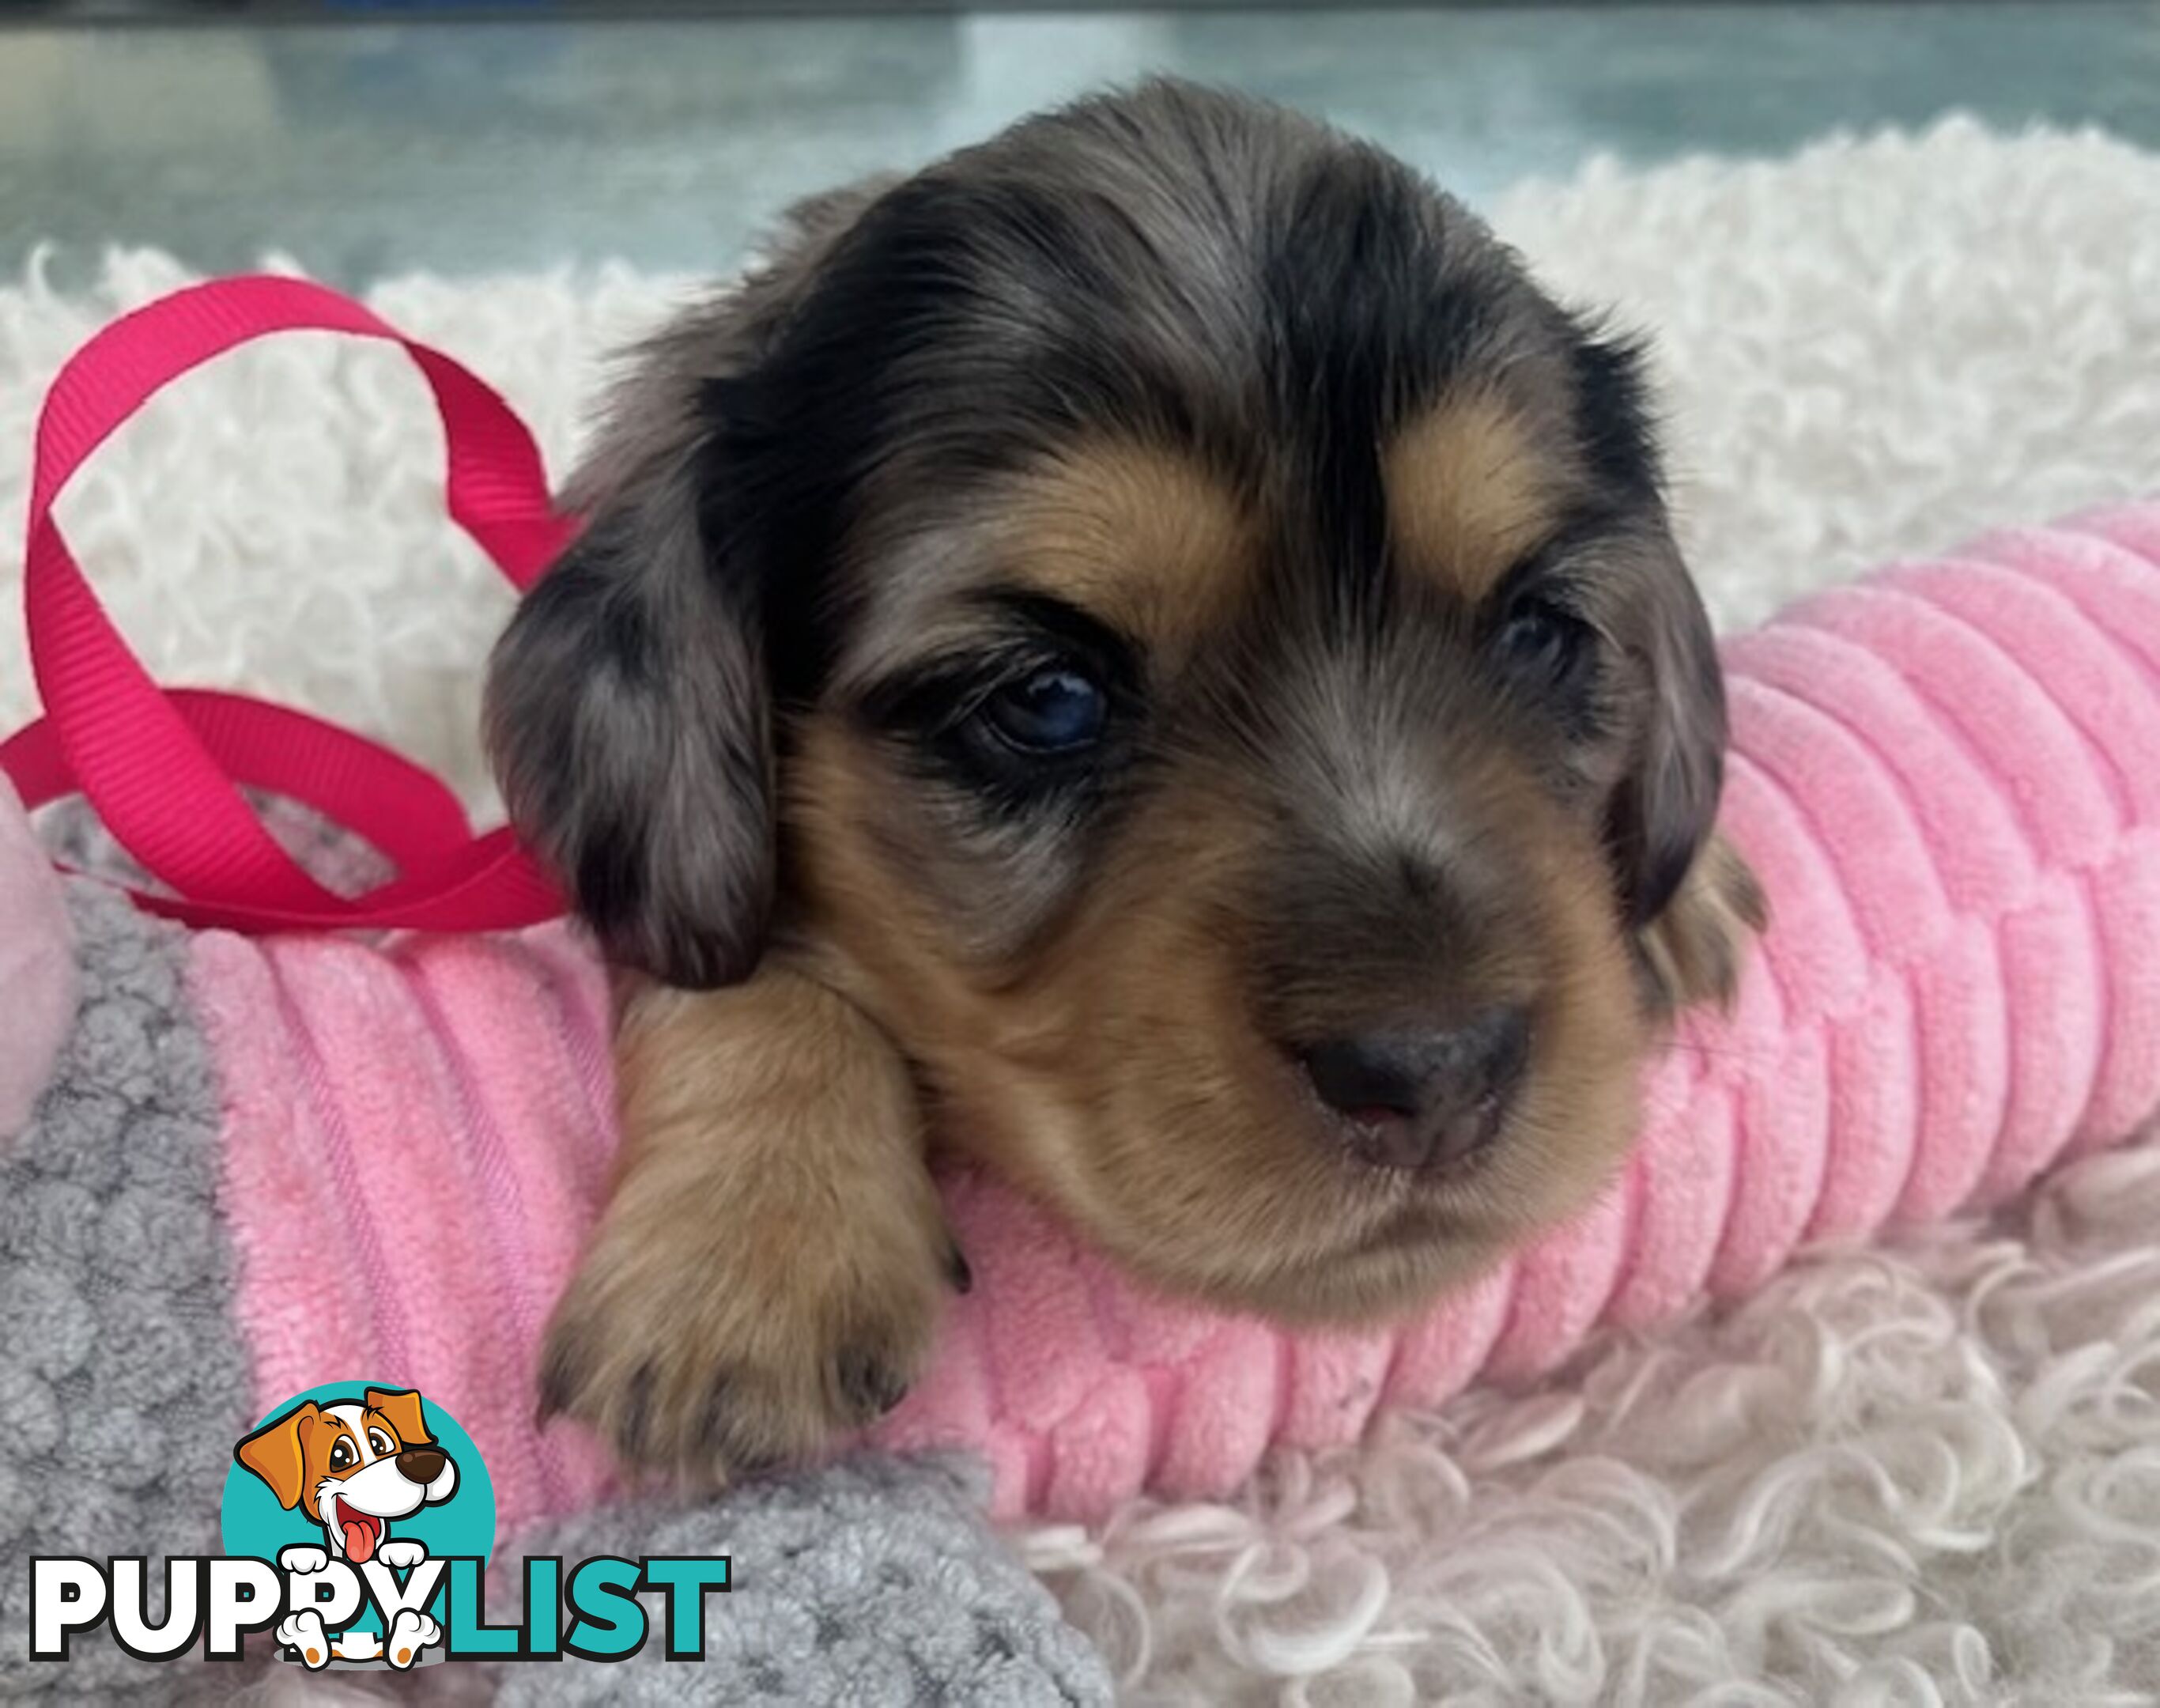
[770,1272]
[706,1359]
[303,1632]
[399,1555]
[304,1561]
[410,1631]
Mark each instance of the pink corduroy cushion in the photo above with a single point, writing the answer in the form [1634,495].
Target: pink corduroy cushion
[1948,778]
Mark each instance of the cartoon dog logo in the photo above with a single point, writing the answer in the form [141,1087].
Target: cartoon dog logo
[353,1468]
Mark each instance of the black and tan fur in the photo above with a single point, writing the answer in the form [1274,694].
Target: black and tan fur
[1413,720]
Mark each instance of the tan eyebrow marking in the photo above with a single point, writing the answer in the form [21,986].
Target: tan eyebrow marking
[1470,491]
[1142,538]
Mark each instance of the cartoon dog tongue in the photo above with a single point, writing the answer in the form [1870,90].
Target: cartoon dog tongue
[359,1539]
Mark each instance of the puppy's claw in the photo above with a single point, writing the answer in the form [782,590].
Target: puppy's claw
[868,1385]
[720,1434]
[633,1428]
[712,1427]
[557,1382]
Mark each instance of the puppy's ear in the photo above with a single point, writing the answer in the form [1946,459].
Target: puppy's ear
[628,714]
[627,721]
[1662,811]
[278,1452]
[1694,951]
[402,1406]
[1659,818]
[1690,898]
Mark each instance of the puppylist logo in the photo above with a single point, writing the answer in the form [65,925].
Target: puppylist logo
[357,1521]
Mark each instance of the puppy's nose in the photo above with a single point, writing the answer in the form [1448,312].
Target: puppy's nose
[1422,1100]
[421,1464]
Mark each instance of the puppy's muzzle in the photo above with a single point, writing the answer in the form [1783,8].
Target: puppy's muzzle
[1422,1099]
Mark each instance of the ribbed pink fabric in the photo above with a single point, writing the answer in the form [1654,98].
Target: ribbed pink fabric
[416,1141]
[1948,778]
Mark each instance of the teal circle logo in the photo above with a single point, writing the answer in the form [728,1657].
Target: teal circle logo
[361,1472]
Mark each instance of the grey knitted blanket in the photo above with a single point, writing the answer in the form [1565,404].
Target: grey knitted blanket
[123,1384]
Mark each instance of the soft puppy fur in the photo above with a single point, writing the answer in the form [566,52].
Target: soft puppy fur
[1149,654]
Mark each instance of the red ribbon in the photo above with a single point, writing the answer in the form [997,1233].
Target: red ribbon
[164,768]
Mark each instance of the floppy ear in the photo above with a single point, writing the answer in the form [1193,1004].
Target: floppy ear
[628,724]
[1693,952]
[628,708]
[1690,898]
[278,1452]
[1687,896]
[402,1406]
[1662,811]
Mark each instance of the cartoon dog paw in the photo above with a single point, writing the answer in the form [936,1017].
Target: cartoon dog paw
[411,1632]
[304,1561]
[358,1645]
[398,1555]
[303,1632]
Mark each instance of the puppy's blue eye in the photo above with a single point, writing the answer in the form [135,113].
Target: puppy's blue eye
[1542,641]
[1054,710]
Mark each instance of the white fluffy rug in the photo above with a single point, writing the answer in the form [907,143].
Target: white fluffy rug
[1925,1473]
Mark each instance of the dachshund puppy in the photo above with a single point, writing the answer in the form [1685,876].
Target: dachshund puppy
[1148,656]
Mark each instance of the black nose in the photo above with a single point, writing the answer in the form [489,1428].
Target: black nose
[422,1465]
[1422,1100]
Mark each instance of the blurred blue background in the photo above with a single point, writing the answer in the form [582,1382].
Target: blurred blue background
[389,140]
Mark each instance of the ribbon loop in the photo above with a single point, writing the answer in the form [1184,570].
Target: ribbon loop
[164,770]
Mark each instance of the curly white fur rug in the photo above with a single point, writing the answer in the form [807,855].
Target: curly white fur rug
[1927,1473]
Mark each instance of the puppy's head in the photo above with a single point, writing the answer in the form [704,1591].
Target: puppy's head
[1170,616]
